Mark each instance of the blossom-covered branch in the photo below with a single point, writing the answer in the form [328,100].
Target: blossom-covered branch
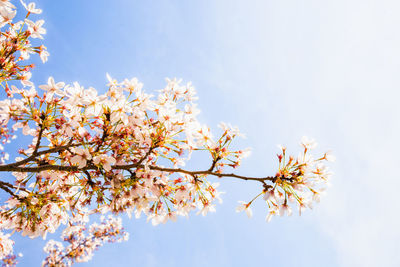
[123,151]
[83,241]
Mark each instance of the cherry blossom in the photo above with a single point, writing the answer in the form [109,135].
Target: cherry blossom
[36,28]
[6,247]
[7,15]
[120,151]
[83,242]
[31,8]
[245,207]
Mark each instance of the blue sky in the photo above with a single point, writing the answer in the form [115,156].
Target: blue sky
[278,70]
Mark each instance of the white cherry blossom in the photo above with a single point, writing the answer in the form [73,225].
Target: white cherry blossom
[36,28]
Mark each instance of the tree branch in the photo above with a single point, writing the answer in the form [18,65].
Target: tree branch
[7,187]
[43,152]
[145,156]
[39,136]
[208,172]
[47,167]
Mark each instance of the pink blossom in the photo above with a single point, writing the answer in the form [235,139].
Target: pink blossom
[308,143]
[31,8]
[36,28]
[81,157]
[104,160]
[243,206]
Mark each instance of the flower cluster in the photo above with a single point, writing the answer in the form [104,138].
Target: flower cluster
[6,245]
[299,180]
[7,257]
[82,242]
[16,44]
[110,149]
[15,48]
[122,151]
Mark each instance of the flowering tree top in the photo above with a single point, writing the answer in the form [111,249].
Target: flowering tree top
[123,151]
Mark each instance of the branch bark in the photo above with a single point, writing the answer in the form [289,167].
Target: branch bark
[47,167]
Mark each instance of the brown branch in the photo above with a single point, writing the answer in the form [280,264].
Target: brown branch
[43,152]
[48,167]
[214,163]
[102,140]
[90,181]
[208,172]
[105,134]
[35,151]
[42,117]
[145,156]
[7,187]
